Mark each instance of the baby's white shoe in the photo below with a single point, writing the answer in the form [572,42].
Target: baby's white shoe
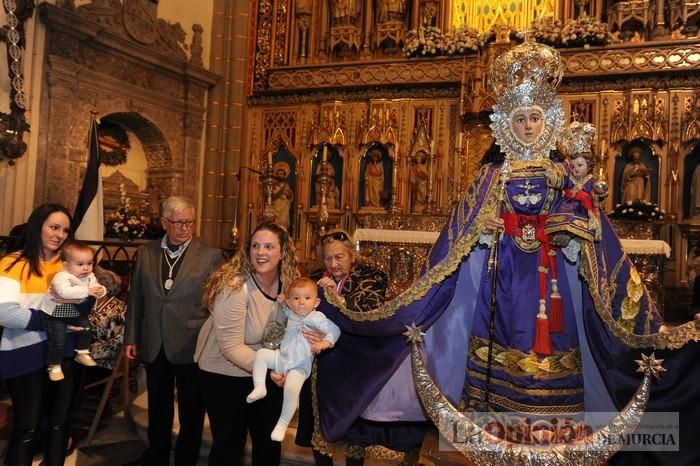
[256,394]
[85,359]
[55,373]
[278,432]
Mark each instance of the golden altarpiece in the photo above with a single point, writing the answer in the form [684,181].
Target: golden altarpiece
[344,130]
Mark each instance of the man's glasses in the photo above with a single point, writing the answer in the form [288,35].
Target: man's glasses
[181,223]
[336,235]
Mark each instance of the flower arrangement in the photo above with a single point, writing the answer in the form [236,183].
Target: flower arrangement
[431,42]
[585,31]
[546,31]
[640,210]
[126,223]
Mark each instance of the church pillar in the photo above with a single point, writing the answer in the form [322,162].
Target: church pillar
[226,109]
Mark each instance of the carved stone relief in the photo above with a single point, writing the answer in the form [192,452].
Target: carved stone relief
[140,83]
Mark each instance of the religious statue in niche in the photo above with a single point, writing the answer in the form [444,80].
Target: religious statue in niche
[391,10]
[345,12]
[419,181]
[282,194]
[374,180]
[636,178]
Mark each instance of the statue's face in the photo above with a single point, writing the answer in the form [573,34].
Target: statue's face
[635,154]
[527,124]
[579,167]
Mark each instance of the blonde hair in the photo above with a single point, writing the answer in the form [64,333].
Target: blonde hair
[238,270]
[301,282]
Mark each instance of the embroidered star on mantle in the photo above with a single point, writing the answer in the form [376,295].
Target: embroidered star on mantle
[413,334]
[650,364]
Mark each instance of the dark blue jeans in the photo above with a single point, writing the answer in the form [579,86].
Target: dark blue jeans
[56,335]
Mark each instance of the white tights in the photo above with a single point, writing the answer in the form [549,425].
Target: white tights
[264,360]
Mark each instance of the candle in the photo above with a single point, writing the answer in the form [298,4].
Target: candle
[269,158]
[458,143]
[325,153]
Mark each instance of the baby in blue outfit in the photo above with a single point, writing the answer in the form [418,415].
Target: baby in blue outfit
[296,354]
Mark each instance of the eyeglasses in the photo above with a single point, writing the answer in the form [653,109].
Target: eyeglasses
[336,235]
[181,223]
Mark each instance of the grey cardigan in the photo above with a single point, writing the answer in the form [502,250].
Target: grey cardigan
[232,334]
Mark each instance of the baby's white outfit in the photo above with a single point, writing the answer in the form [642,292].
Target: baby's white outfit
[294,358]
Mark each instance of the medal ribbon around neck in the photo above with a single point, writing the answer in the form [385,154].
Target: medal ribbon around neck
[168,254]
[169,282]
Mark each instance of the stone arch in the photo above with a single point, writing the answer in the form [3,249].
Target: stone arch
[160,178]
[155,144]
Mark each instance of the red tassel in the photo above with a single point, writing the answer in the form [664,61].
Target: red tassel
[556,314]
[543,344]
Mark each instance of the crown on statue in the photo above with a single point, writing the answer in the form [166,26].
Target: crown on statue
[578,139]
[527,76]
[528,61]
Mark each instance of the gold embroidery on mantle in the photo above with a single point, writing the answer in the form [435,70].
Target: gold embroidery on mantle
[526,391]
[520,364]
[675,338]
[476,394]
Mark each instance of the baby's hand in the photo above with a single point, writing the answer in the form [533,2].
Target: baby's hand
[96,291]
[319,346]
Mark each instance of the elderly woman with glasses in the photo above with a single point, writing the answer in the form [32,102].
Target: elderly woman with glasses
[360,287]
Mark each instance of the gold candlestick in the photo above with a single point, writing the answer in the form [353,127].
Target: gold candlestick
[268,181]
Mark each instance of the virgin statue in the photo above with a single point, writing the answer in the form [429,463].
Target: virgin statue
[515,317]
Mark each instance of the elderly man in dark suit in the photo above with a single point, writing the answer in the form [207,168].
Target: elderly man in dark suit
[163,319]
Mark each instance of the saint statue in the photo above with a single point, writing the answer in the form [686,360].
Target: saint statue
[391,9]
[282,194]
[374,180]
[636,181]
[419,182]
[344,12]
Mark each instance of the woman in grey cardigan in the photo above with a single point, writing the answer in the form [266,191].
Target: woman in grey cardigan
[242,296]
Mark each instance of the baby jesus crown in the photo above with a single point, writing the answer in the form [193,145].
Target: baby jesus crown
[578,139]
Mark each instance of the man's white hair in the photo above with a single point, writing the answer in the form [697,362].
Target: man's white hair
[176,204]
